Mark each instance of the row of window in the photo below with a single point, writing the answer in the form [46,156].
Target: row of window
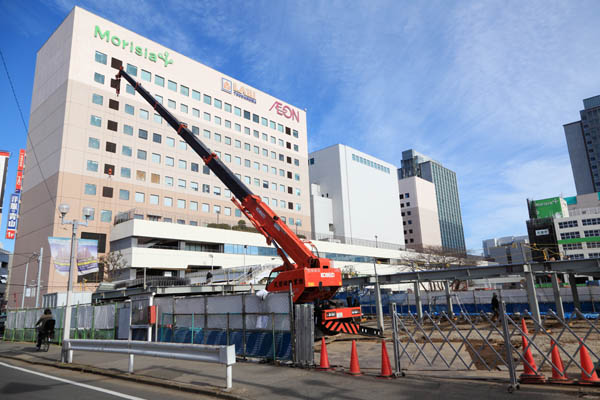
[105,215]
[568,224]
[140,197]
[370,163]
[590,221]
[196,95]
[572,246]
[592,233]
[569,235]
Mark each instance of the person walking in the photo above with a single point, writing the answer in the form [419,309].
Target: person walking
[495,307]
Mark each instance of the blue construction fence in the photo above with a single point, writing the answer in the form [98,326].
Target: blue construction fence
[259,343]
[477,301]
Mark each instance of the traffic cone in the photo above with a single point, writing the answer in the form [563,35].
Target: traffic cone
[386,368]
[324,365]
[587,365]
[354,366]
[558,370]
[530,374]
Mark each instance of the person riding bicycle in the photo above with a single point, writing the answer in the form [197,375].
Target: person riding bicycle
[42,326]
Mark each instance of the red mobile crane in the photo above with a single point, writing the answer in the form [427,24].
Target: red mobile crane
[311,278]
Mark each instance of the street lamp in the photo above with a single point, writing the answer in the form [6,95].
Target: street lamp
[87,213]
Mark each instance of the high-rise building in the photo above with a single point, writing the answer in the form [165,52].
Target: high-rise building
[583,142]
[354,198]
[419,213]
[115,154]
[446,193]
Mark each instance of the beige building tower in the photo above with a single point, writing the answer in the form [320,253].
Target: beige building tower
[419,210]
[115,155]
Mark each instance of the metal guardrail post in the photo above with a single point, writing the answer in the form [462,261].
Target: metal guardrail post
[531,294]
[574,292]
[395,337]
[244,326]
[560,310]
[448,299]
[508,346]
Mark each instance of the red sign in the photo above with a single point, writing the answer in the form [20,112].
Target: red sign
[10,233]
[21,160]
[285,111]
[19,182]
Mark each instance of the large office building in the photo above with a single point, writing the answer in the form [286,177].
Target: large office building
[419,213]
[508,249]
[354,198]
[115,154]
[583,142]
[446,193]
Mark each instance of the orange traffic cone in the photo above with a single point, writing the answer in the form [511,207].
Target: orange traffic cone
[324,365]
[558,370]
[588,366]
[530,374]
[386,368]
[354,366]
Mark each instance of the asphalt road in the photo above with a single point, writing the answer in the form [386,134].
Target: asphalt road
[24,381]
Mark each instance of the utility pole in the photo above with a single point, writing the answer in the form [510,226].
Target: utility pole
[37,290]
[378,298]
[25,283]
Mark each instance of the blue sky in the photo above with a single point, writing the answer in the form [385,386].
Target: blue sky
[482,87]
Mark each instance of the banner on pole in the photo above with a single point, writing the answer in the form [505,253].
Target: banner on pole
[87,255]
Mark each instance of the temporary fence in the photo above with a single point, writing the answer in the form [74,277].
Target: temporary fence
[492,343]
[475,301]
[258,327]
[87,322]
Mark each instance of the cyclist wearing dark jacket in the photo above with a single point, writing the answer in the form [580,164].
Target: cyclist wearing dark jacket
[40,324]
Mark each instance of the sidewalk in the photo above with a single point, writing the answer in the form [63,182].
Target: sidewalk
[252,380]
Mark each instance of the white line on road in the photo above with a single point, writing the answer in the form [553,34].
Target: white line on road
[122,395]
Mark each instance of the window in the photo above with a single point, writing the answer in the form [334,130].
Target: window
[172,104]
[144,114]
[184,90]
[156,138]
[247,163]
[99,78]
[96,121]
[217,190]
[182,164]
[238,160]
[168,201]
[217,137]
[159,80]
[140,175]
[92,166]
[172,86]
[205,188]
[109,169]
[180,203]
[181,183]
[112,126]
[90,189]
[169,161]
[194,167]
[246,130]
[139,197]
[194,186]
[107,192]
[196,95]
[156,158]
[182,145]
[205,207]
[217,209]
[227,107]
[131,70]
[124,194]
[125,172]
[247,114]
[218,103]
[111,147]
[141,154]
[255,118]
[157,118]
[238,127]
[264,121]
[570,235]
[169,180]
[93,143]
[158,98]
[205,170]
[143,134]
[207,99]
[97,99]
[129,89]
[295,133]
[183,108]
[106,216]
[227,123]
[146,76]
[170,141]
[155,178]
[100,57]
[154,199]
[217,120]
[207,116]
[128,130]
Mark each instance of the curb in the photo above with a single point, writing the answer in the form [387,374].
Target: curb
[135,378]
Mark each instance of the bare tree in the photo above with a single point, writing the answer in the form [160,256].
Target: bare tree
[113,262]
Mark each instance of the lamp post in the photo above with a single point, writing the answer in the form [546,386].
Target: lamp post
[212,262]
[87,213]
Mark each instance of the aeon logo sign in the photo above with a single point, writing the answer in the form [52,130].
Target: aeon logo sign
[285,111]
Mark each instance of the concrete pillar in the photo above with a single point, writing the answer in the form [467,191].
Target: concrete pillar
[448,299]
[573,284]
[418,303]
[560,310]
[534,307]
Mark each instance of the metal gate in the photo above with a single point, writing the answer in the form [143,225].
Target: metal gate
[498,346]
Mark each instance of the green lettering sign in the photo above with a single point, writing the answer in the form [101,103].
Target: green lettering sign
[137,50]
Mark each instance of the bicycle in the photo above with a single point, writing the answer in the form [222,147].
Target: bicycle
[48,334]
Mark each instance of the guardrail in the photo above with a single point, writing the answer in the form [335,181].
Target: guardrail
[191,352]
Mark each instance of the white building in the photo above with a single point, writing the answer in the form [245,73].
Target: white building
[508,249]
[115,154]
[354,197]
[419,210]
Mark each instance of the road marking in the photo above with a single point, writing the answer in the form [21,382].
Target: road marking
[117,394]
